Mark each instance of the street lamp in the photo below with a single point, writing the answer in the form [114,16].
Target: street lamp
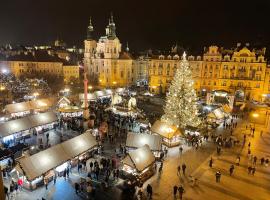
[90,87]
[114,84]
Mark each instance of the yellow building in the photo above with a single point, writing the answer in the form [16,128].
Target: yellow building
[162,69]
[241,71]
[35,63]
[71,72]
[107,65]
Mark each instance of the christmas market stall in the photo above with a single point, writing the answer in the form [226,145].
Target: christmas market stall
[216,116]
[34,170]
[139,164]
[70,111]
[15,130]
[28,107]
[169,133]
[135,140]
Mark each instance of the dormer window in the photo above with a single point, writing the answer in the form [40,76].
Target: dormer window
[161,57]
[176,57]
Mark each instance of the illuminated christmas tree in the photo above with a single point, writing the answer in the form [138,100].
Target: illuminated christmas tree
[181,101]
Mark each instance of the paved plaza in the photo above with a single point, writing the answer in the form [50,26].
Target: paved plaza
[240,185]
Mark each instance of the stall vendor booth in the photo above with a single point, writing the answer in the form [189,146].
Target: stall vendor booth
[216,116]
[15,130]
[27,107]
[170,134]
[70,111]
[226,110]
[191,130]
[32,170]
[135,141]
[139,164]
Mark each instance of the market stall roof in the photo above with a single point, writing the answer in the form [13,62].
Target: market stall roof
[42,119]
[64,100]
[226,108]
[140,158]
[40,163]
[90,96]
[30,105]
[70,109]
[42,103]
[14,126]
[79,145]
[18,107]
[138,140]
[191,128]
[164,129]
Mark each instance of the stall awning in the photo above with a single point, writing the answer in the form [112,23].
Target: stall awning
[70,109]
[138,140]
[30,105]
[140,158]
[165,130]
[80,144]
[25,123]
[44,161]
[18,107]
[42,119]
[14,126]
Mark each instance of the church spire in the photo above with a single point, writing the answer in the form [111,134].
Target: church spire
[90,30]
[111,28]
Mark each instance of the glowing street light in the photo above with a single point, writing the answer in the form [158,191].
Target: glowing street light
[255,115]
[35,94]
[90,87]
[2,88]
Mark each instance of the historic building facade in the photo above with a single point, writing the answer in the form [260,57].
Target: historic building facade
[107,65]
[241,71]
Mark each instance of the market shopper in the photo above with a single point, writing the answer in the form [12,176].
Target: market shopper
[211,162]
[184,168]
[181,191]
[218,176]
[149,191]
[231,169]
[175,188]
[77,187]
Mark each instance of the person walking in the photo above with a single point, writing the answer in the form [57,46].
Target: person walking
[218,176]
[254,160]
[253,170]
[175,188]
[211,162]
[67,172]
[149,191]
[181,192]
[249,169]
[46,183]
[231,169]
[184,168]
[54,178]
[77,187]
[262,160]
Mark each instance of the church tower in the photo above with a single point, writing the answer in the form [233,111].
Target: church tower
[90,46]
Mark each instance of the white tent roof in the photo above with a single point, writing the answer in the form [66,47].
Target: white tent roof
[140,158]
[14,126]
[138,140]
[40,163]
[25,123]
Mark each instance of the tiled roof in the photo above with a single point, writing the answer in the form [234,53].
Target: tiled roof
[37,56]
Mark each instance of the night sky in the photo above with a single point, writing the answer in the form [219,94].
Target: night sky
[143,23]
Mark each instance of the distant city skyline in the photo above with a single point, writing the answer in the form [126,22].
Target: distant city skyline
[144,25]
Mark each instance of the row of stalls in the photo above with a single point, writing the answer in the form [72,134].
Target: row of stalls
[218,115]
[32,170]
[18,129]
[16,110]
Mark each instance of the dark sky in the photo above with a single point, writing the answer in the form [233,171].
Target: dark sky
[143,23]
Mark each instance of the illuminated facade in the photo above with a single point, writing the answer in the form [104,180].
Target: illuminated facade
[107,65]
[40,63]
[240,71]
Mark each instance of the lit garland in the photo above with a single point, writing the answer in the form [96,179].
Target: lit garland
[181,101]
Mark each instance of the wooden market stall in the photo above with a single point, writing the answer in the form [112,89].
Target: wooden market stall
[169,133]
